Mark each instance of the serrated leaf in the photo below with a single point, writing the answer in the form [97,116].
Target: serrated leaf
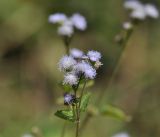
[85,101]
[66,115]
[114,112]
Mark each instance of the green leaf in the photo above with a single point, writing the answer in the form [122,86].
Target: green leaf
[85,101]
[114,112]
[66,115]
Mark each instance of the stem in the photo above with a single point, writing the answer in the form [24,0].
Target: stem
[114,72]
[78,106]
[82,95]
[63,129]
[67,41]
[118,63]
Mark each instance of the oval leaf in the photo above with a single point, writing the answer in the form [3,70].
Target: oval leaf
[114,112]
[85,101]
[66,115]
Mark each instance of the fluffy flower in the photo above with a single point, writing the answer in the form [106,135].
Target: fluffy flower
[57,18]
[138,14]
[27,135]
[71,79]
[66,62]
[76,53]
[127,25]
[94,55]
[132,4]
[66,29]
[151,11]
[90,73]
[69,99]
[121,135]
[79,21]
[86,69]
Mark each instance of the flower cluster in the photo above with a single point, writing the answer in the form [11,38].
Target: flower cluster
[141,11]
[67,24]
[77,66]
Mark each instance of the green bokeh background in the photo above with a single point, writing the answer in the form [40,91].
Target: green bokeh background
[29,53]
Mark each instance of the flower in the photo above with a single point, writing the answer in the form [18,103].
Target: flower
[90,73]
[76,53]
[94,55]
[27,135]
[132,4]
[65,30]
[71,79]
[151,11]
[127,25]
[121,135]
[139,14]
[66,63]
[79,21]
[141,11]
[57,18]
[68,99]
[86,69]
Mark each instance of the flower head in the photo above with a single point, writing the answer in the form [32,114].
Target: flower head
[127,25]
[65,30]
[90,73]
[66,63]
[27,135]
[132,4]
[76,53]
[94,55]
[86,69]
[151,11]
[139,12]
[121,135]
[79,21]
[70,78]
[57,18]
[69,99]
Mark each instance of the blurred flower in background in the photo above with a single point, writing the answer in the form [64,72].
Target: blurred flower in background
[67,24]
[141,11]
[124,134]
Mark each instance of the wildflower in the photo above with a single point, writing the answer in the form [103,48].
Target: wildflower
[71,79]
[127,25]
[151,11]
[86,69]
[139,13]
[94,55]
[90,73]
[79,21]
[69,99]
[98,64]
[27,135]
[57,18]
[65,30]
[76,53]
[132,4]
[121,135]
[66,63]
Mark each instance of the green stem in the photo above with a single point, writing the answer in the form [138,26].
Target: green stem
[119,59]
[63,129]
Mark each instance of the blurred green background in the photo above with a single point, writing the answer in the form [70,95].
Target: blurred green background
[29,53]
